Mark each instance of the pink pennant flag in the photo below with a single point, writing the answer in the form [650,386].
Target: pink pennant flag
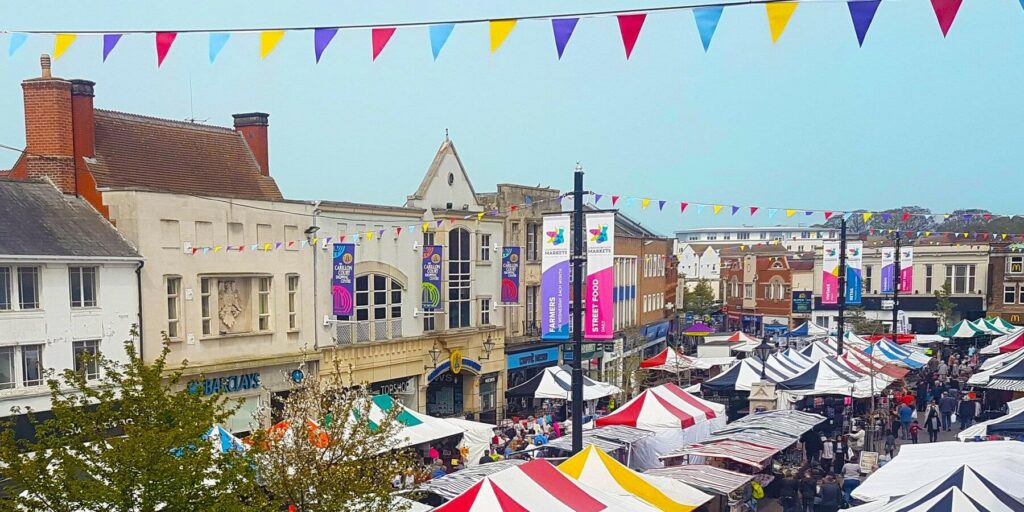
[164,40]
[629,27]
[906,216]
[753,210]
[682,207]
[987,216]
[398,231]
[615,199]
[828,215]
[380,37]
[945,12]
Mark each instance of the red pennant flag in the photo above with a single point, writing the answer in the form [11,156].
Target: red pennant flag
[945,12]
[291,244]
[987,216]
[514,208]
[629,28]
[753,210]
[398,231]
[341,238]
[380,37]
[615,199]
[195,250]
[871,231]
[682,207]
[164,40]
[828,215]
[906,216]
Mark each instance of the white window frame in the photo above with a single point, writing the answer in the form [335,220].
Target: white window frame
[173,296]
[460,279]
[292,284]
[36,282]
[485,247]
[1015,264]
[928,278]
[77,274]
[485,311]
[206,305]
[1010,290]
[264,304]
[22,352]
[92,371]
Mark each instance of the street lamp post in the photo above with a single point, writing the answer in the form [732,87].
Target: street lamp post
[762,351]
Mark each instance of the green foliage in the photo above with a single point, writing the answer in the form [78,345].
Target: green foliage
[343,461]
[944,308]
[128,441]
[858,321]
[701,300]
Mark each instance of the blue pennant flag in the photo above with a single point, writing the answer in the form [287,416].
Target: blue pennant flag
[707,21]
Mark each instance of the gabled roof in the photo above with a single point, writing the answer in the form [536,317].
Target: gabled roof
[447,148]
[134,151]
[38,220]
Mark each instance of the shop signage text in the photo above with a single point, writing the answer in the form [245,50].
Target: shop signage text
[802,301]
[229,384]
[532,358]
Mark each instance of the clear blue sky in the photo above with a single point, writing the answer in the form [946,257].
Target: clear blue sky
[810,122]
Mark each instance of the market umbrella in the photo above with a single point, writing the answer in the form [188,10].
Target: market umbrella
[697,329]
[998,321]
[962,329]
[599,470]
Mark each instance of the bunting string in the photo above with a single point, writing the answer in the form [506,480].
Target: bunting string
[707,17]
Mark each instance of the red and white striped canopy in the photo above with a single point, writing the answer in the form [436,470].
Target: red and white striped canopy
[537,485]
[663,407]
[668,358]
[740,336]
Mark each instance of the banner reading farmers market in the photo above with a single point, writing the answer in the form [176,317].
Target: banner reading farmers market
[554,280]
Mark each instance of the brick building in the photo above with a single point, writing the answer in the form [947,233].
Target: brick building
[758,285]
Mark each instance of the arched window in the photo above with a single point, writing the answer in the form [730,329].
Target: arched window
[378,297]
[459,279]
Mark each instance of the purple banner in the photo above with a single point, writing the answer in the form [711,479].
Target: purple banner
[888,269]
[510,275]
[554,280]
[343,278]
[432,273]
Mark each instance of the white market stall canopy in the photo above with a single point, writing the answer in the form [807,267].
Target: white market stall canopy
[555,382]
[1011,424]
[963,490]
[670,360]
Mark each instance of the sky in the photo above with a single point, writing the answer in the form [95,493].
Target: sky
[810,122]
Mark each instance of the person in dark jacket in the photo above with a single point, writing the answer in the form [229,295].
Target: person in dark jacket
[965,413]
[922,391]
[808,490]
[831,495]
[789,490]
[946,406]
[933,422]
[812,445]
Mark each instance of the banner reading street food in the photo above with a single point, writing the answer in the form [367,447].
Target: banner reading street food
[510,275]
[343,278]
[888,269]
[600,276]
[906,269]
[854,270]
[433,257]
[554,280]
[830,273]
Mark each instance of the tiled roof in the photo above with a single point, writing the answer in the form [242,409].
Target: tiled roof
[135,151]
[38,220]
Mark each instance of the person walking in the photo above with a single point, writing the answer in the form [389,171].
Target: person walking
[831,495]
[828,452]
[851,479]
[789,490]
[946,406]
[965,412]
[906,416]
[812,445]
[914,429]
[890,445]
[808,491]
[933,422]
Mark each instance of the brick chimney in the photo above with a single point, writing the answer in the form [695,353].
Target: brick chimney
[253,127]
[49,141]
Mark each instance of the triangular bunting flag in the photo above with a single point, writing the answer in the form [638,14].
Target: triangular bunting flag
[322,38]
[772,212]
[615,199]
[645,203]
[707,21]
[967,217]
[753,210]
[442,221]
[682,207]
[513,208]
[778,16]
[426,227]
[906,216]
[700,209]
[269,40]
[716,208]
[1004,236]
[828,215]
[597,198]
[862,12]
[661,205]
[789,213]
[217,42]
[735,209]
[629,28]
[563,27]
[278,245]
[61,44]
[808,213]
[885,217]
[17,40]
[398,231]
[500,29]
[380,38]
[945,12]
[439,36]
[109,42]
[480,216]
[987,216]
[866,216]
[380,234]
[164,40]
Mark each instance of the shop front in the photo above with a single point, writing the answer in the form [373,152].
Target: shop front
[752,324]
[591,361]
[255,391]
[450,386]
[405,390]
[524,364]
[775,325]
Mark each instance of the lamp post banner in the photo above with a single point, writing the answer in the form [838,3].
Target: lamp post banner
[343,278]
[554,281]
[510,275]
[433,256]
[888,269]
[854,268]
[906,269]
[600,281]
[830,273]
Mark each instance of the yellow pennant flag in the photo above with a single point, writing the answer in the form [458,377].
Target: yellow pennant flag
[425,227]
[369,235]
[966,235]
[500,29]
[927,233]
[1004,236]
[644,203]
[867,216]
[62,43]
[743,247]
[778,16]
[269,40]
[717,208]
[216,249]
[480,216]
[266,247]
[314,240]
[789,213]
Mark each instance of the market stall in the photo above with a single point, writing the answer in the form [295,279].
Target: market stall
[965,489]
[476,438]
[630,446]
[1010,425]
[441,489]
[742,375]
[555,382]
[829,377]
[596,469]
[1009,342]
[1009,377]
[670,360]
[728,487]
[806,329]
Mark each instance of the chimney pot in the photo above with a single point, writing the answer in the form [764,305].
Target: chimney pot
[82,88]
[253,128]
[44,63]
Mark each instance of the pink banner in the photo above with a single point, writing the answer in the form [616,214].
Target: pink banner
[830,273]
[600,283]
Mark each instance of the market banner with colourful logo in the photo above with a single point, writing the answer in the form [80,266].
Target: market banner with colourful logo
[906,270]
[854,271]
[433,258]
[510,275]
[888,269]
[343,279]
[600,281]
[830,273]
[554,280]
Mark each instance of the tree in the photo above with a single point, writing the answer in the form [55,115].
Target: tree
[331,452]
[127,441]
[944,307]
[856,318]
[701,300]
